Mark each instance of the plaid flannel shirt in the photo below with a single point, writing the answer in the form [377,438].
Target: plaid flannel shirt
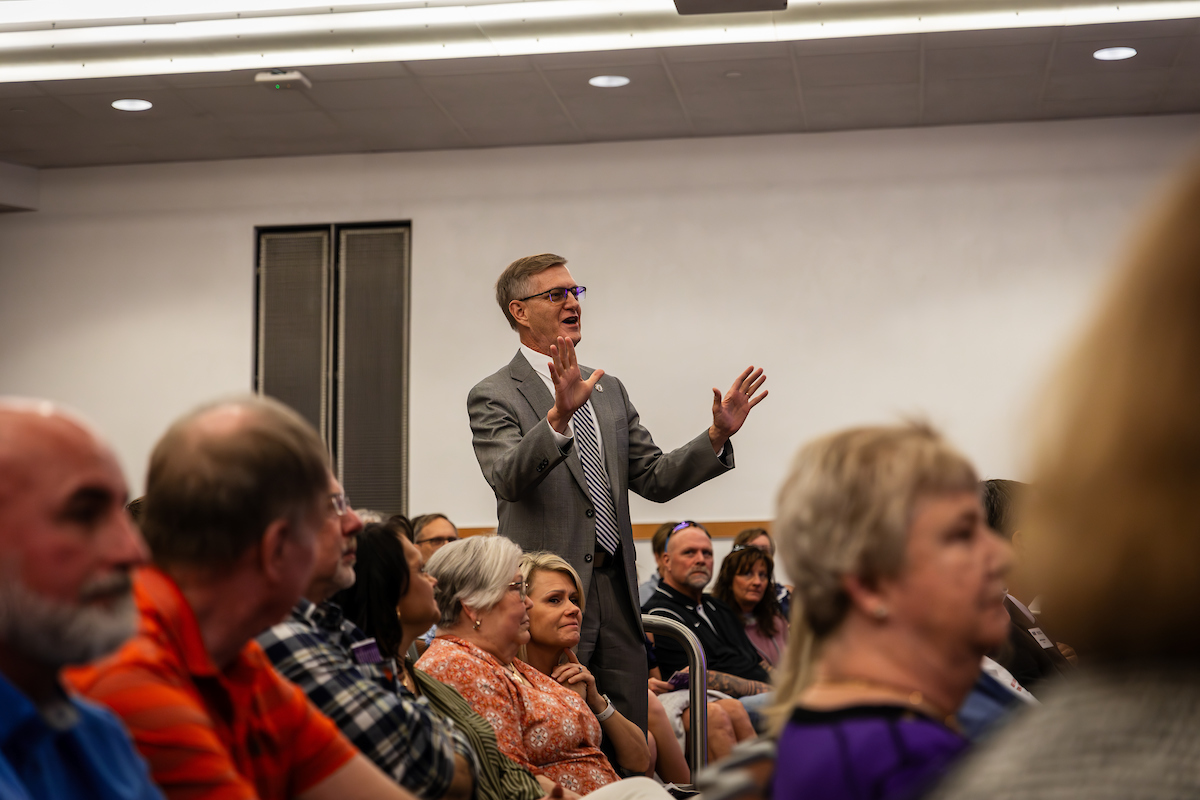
[400,733]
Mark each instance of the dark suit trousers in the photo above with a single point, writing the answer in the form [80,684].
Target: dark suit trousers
[617,653]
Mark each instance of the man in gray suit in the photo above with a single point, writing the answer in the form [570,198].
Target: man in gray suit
[561,445]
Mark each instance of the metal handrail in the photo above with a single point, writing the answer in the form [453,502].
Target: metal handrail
[697,685]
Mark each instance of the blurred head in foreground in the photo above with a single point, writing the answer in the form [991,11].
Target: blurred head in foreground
[1115,523]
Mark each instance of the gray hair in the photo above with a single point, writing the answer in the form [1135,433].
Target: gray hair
[514,281]
[474,572]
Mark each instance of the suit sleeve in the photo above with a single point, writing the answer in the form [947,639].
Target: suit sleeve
[659,476]
[513,462]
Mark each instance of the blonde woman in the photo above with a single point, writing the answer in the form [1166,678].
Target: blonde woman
[899,594]
[555,615]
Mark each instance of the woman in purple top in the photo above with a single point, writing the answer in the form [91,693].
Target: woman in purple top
[899,590]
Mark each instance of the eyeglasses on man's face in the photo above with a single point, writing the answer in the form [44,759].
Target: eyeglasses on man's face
[558,294]
[340,504]
[438,541]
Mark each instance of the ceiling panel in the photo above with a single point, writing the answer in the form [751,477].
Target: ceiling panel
[951,102]
[98,106]
[647,107]
[730,97]
[988,61]
[833,84]
[355,95]
[1137,88]
[413,129]
[860,69]
[843,107]
[246,100]
[1075,58]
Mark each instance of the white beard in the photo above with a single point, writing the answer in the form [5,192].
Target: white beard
[57,634]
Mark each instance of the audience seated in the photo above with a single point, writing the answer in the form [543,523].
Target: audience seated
[761,538]
[541,725]
[734,666]
[67,548]
[432,532]
[900,589]
[745,585]
[555,614]
[1032,656]
[236,495]
[728,723]
[392,602]
[1113,537]
[429,532]
[323,653]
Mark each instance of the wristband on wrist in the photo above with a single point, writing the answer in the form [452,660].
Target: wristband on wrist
[608,711]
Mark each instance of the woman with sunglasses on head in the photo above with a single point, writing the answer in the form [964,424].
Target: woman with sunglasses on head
[746,584]
[543,726]
[555,616]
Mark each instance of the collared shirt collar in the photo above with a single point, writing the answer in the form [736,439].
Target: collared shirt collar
[679,597]
[24,722]
[327,615]
[166,615]
[539,362]
[1029,615]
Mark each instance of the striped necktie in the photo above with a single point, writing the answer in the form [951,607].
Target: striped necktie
[607,533]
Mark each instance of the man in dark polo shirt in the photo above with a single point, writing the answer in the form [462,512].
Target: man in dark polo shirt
[734,666]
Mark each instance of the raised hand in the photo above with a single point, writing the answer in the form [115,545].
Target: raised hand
[730,411]
[570,389]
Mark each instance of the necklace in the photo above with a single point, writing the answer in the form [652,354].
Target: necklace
[911,697]
[516,676]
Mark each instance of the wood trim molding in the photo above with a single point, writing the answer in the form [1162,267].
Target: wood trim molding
[645,530]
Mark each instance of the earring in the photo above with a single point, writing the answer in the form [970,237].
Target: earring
[880,612]
[478,622]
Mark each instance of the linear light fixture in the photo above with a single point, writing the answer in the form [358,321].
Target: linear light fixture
[59,39]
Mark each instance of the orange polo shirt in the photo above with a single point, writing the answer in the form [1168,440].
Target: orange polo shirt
[239,733]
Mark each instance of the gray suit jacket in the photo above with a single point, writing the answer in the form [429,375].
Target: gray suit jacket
[541,492]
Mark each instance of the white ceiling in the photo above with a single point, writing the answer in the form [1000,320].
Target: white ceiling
[715,90]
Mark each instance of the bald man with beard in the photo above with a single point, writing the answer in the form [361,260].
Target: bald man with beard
[67,549]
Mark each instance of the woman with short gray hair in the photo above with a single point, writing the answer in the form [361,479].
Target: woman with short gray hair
[544,727]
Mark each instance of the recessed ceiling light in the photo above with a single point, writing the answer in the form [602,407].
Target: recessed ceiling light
[609,81]
[1114,53]
[132,104]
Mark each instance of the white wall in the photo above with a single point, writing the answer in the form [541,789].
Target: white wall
[873,274]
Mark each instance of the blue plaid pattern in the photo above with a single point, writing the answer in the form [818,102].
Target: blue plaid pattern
[401,734]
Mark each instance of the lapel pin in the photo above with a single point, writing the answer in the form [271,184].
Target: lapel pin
[599,388]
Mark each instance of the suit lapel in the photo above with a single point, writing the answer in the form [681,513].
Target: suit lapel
[534,390]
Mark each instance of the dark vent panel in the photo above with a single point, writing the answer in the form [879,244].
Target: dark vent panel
[372,374]
[292,361]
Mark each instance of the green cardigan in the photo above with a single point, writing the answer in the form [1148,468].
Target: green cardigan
[500,777]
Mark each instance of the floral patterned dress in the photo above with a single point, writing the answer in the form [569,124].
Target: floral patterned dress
[541,725]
